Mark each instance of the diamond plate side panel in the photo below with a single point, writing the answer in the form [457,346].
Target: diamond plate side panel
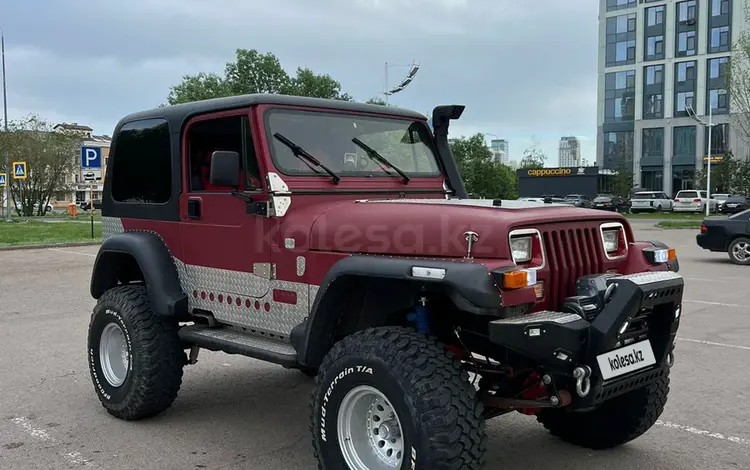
[111,226]
[226,281]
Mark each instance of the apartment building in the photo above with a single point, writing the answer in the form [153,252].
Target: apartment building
[80,189]
[500,149]
[569,152]
[658,59]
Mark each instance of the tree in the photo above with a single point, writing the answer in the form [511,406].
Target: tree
[379,101]
[738,81]
[483,176]
[731,175]
[622,184]
[533,157]
[255,72]
[49,154]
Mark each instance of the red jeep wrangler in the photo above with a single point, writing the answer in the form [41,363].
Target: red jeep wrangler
[337,238]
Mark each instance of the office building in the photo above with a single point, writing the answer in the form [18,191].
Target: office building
[500,149]
[658,59]
[569,153]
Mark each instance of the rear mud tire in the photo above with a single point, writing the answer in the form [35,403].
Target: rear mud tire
[156,357]
[440,418]
[615,422]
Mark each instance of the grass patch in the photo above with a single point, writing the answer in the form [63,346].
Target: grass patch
[691,224]
[40,233]
[668,215]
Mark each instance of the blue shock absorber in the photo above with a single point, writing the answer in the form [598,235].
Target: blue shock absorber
[421,317]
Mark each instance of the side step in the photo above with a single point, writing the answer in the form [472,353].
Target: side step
[234,342]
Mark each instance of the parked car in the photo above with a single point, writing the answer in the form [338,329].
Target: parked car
[531,199]
[610,202]
[720,198]
[578,200]
[86,205]
[650,201]
[727,234]
[694,201]
[734,204]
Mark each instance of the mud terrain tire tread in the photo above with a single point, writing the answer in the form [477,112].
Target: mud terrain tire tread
[614,423]
[444,402]
[158,355]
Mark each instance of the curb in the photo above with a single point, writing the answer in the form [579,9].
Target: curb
[48,245]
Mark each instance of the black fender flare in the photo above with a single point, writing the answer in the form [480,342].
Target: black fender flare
[470,285]
[156,264]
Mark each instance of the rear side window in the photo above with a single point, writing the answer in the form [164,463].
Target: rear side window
[141,163]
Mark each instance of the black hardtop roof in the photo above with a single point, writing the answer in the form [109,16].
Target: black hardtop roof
[178,113]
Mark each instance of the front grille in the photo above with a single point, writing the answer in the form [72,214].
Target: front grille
[570,253]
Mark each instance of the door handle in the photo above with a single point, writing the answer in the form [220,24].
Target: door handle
[194,208]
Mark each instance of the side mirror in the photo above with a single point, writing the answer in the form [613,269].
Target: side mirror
[225,169]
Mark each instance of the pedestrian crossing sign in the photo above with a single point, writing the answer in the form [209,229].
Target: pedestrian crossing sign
[19,170]
[3,177]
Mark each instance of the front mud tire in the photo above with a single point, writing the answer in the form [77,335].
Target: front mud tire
[150,374]
[440,424]
[613,423]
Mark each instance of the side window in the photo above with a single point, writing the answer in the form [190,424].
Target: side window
[141,163]
[231,133]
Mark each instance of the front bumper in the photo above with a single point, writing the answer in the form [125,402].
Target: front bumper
[643,312]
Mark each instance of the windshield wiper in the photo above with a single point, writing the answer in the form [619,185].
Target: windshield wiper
[372,153]
[303,155]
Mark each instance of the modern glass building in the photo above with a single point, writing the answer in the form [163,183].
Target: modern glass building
[657,59]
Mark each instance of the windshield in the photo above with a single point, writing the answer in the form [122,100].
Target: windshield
[687,194]
[602,198]
[644,196]
[335,140]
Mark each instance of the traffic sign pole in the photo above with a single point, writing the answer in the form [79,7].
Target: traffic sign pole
[91,209]
[7,188]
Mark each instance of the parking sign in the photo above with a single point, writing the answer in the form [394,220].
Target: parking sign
[91,157]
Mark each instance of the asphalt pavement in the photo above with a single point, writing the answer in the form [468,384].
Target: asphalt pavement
[239,413]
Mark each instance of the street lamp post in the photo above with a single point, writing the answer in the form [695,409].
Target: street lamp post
[5,117]
[710,125]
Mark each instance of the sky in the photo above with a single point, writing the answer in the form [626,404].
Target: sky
[524,70]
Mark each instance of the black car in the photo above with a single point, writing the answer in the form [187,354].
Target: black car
[727,234]
[734,204]
[609,202]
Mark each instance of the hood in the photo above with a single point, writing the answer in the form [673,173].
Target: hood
[430,227]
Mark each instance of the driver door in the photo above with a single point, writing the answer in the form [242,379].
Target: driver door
[226,252]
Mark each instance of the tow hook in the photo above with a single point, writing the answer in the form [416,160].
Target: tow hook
[583,384]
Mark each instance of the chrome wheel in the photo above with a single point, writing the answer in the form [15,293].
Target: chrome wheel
[369,431]
[741,251]
[113,354]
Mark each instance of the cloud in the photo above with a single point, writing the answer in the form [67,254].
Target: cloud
[521,68]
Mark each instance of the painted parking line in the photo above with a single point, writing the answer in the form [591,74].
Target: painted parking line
[70,456]
[712,343]
[703,432]
[70,252]
[705,302]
